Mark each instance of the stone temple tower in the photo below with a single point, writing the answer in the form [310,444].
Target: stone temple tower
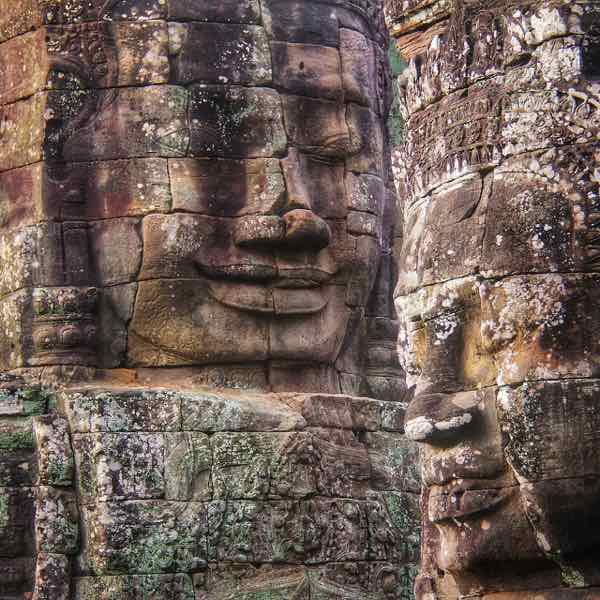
[499,290]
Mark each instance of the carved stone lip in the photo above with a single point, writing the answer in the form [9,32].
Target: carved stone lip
[295,299]
[464,498]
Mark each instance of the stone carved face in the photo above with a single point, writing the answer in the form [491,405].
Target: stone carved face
[232,164]
[498,297]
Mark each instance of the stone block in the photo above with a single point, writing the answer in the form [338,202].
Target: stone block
[226,11]
[317,126]
[17,574]
[23,66]
[17,510]
[343,412]
[133,587]
[225,582]
[126,188]
[55,461]
[120,466]
[315,183]
[539,320]
[22,131]
[365,193]
[359,69]
[52,577]
[17,468]
[121,410]
[219,53]
[145,537]
[295,21]
[56,11]
[543,233]
[15,320]
[366,266]
[316,338]
[362,223]
[56,521]
[22,201]
[188,463]
[18,18]
[116,250]
[241,411]
[366,133]
[257,466]
[20,401]
[139,51]
[532,413]
[340,465]
[392,415]
[33,256]
[178,324]
[312,531]
[394,462]
[244,463]
[366,580]
[105,54]
[130,122]
[307,70]
[236,122]
[115,309]
[226,188]
[16,434]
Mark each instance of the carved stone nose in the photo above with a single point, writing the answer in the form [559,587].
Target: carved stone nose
[305,230]
[298,229]
[441,418]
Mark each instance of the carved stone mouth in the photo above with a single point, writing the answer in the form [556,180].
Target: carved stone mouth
[296,298]
[463,498]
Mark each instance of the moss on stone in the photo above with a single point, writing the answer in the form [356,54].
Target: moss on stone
[16,440]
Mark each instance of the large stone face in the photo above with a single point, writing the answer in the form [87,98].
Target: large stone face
[199,394]
[237,152]
[497,292]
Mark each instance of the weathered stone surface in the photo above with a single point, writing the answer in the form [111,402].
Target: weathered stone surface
[307,70]
[234,121]
[131,123]
[226,188]
[145,537]
[196,225]
[358,68]
[497,272]
[238,54]
[132,587]
[227,11]
[121,410]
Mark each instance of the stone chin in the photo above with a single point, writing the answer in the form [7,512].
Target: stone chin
[300,300]
[194,322]
[497,533]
